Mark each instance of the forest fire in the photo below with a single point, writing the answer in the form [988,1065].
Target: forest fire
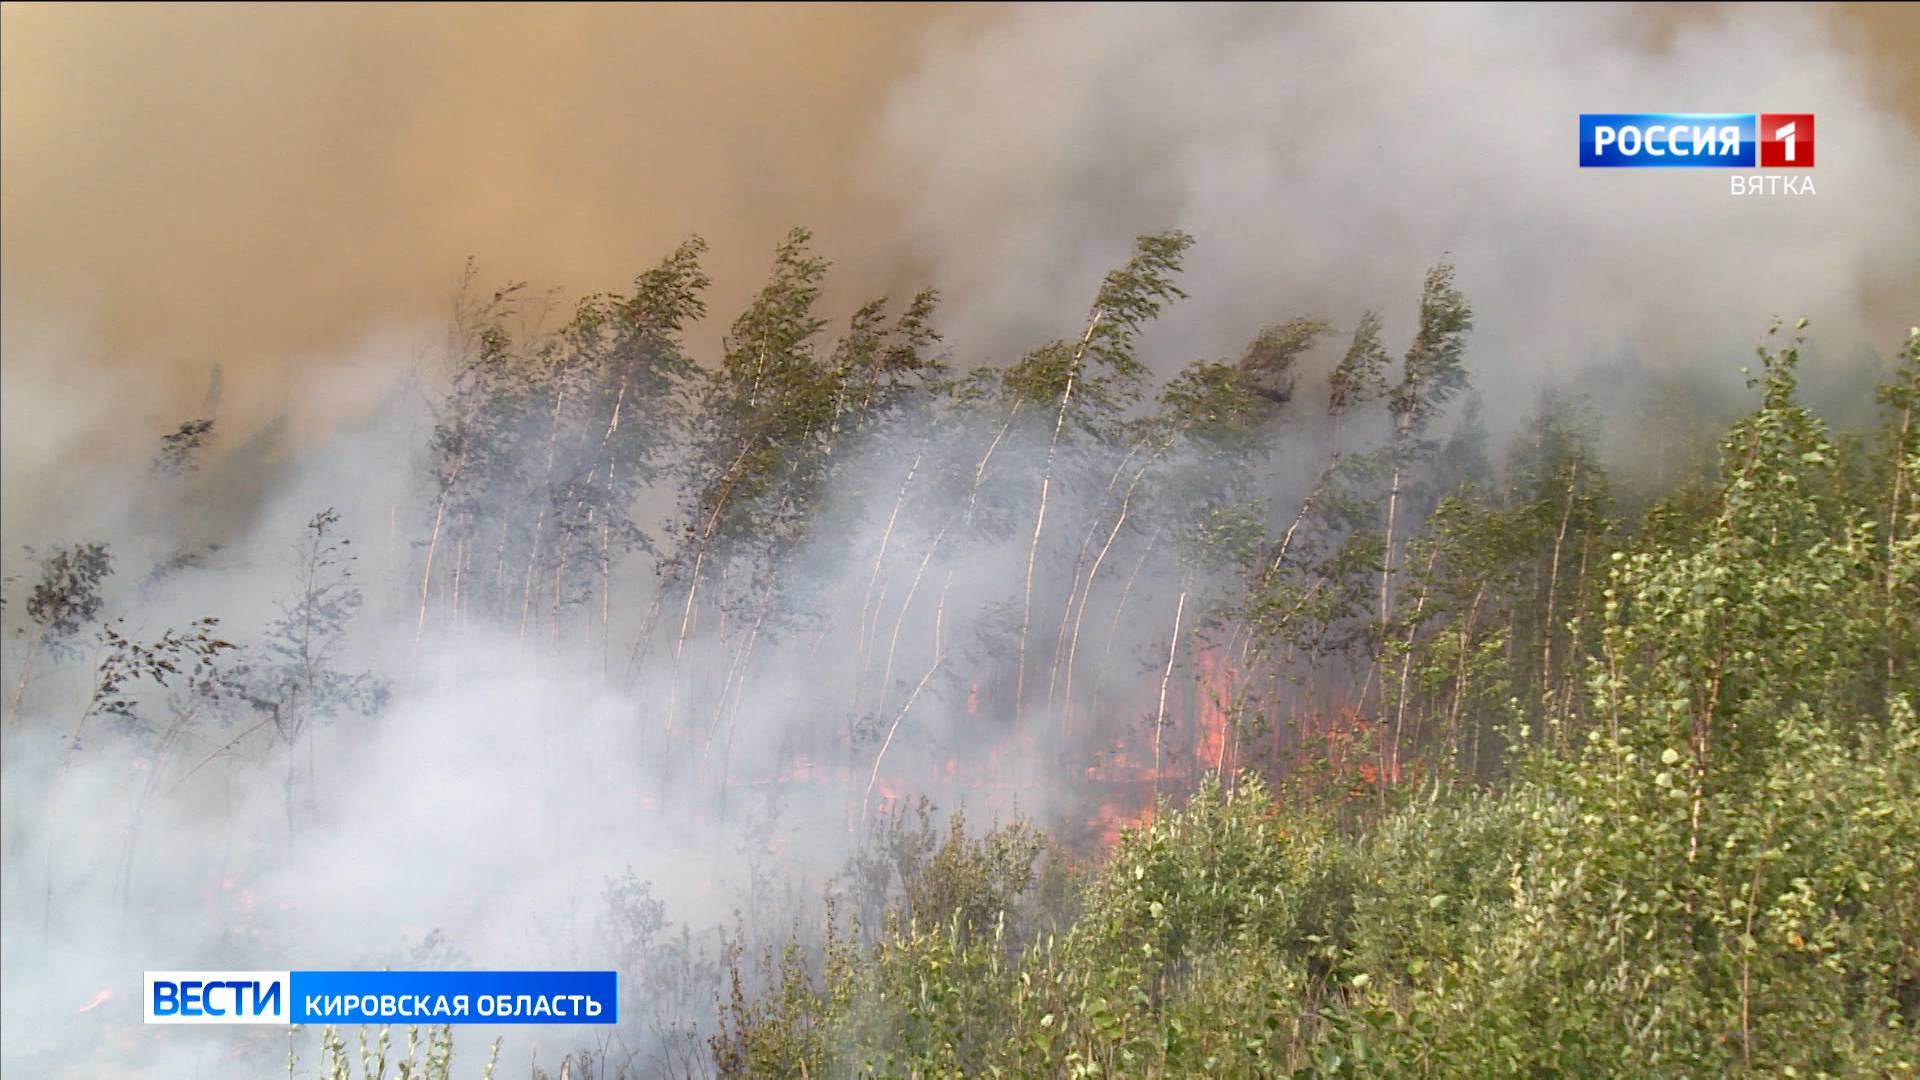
[1115,820]
[1213,702]
[1121,464]
[1118,779]
[1194,739]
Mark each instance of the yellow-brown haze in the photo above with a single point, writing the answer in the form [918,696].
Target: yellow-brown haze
[264,187]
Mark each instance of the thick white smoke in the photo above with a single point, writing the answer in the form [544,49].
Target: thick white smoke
[1324,155]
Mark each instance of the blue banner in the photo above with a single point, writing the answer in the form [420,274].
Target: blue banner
[454,997]
[1669,140]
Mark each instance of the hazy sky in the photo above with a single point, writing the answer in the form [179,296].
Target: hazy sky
[243,183]
[268,187]
[290,193]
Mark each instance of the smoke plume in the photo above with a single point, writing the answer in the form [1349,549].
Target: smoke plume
[259,217]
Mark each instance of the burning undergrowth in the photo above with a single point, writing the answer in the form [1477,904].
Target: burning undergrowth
[599,608]
[606,657]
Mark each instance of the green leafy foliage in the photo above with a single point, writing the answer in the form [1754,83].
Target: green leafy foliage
[376,1058]
[1708,868]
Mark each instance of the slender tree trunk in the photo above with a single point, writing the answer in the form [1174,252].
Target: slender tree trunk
[1461,673]
[1079,594]
[1160,716]
[606,535]
[459,564]
[533,561]
[162,753]
[939,657]
[1066,623]
[559,586]
[433,538]
[1393,507]
[26,673]
[288,791]
[1702,730]
[1293,709]
[546,498]
[645,639]
[1040,518]
[679,648]
[693,588]
[1893,533]
[980,470]
[893,645]
[1229,704]
[500,566]
[733,715]
[426,574]
[1120,606]
[1306,507]
[1553,585]
[726,692]
[606,603]
[1406,671]
[869,613]
[1086,598]
[1569,707]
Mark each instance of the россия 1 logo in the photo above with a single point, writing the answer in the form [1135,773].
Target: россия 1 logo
[1696,140]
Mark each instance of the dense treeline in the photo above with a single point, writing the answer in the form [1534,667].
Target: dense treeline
[1467,761]
[1058,474]
[1701,856]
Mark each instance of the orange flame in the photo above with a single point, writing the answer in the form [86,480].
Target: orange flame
[1114,821]
[1215,695]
